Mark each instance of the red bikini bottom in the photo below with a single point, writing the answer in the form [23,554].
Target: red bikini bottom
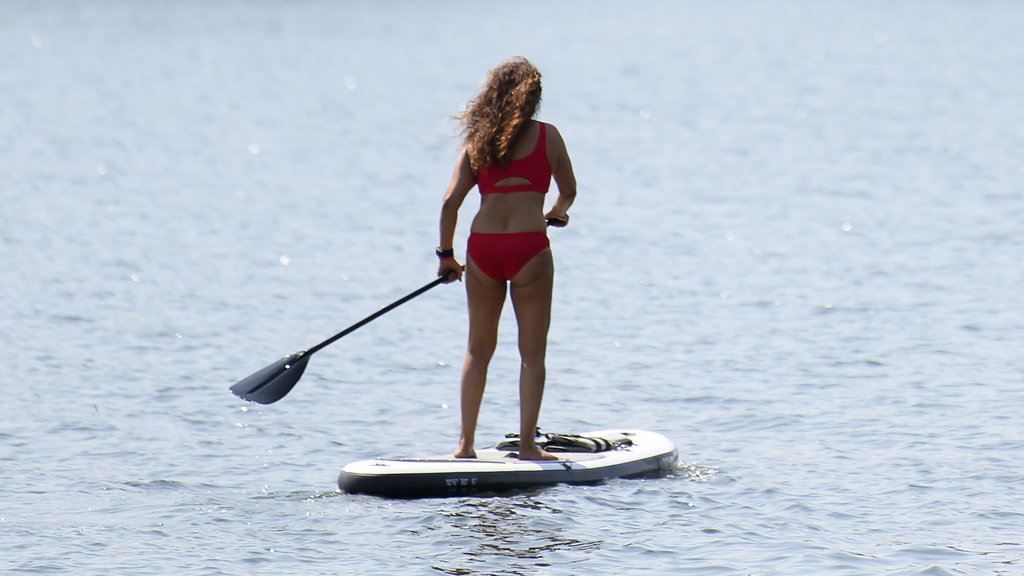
[502,256]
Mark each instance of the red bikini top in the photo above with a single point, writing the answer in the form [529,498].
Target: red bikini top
[534,168]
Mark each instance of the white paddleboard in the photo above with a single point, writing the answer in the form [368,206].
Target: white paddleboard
[636,453]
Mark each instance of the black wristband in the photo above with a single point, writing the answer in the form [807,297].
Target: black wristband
[445,254]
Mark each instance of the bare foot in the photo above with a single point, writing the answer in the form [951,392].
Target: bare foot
[536,454]
[465,452]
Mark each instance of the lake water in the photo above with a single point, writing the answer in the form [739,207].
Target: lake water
[796,251]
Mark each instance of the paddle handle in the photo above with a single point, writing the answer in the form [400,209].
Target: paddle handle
[375,315]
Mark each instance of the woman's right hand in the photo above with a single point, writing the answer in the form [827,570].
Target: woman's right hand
[450,270]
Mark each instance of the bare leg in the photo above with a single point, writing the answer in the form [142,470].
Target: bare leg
[531,299]
[486,296]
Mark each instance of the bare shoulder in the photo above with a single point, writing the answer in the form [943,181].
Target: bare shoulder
[462,163]
[555,144]
[463,176]
[553,135]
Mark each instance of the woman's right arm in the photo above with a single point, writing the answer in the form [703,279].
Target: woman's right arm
[561,169]
[461,183]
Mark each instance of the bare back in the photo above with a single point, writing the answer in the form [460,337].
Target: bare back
[515,211]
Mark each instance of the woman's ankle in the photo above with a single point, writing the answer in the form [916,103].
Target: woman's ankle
[465,449]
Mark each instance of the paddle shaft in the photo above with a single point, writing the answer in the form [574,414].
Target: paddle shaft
[275,381]
[375,315]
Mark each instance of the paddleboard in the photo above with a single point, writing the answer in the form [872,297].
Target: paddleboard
[626,453]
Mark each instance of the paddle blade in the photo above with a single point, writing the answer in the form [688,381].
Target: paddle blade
[273,382]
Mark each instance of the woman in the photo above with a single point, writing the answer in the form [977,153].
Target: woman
[512,158]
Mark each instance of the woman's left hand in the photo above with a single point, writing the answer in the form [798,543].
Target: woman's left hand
[558,220]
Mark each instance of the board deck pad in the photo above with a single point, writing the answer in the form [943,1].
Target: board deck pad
[495,471]
[496,456]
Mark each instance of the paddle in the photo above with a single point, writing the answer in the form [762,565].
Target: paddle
[273,382]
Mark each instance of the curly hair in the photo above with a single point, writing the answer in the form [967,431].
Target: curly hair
[492,121]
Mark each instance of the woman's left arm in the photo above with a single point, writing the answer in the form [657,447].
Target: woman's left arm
[461,183]
[561,169]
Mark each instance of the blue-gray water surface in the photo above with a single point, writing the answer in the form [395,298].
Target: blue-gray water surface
[796,251]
